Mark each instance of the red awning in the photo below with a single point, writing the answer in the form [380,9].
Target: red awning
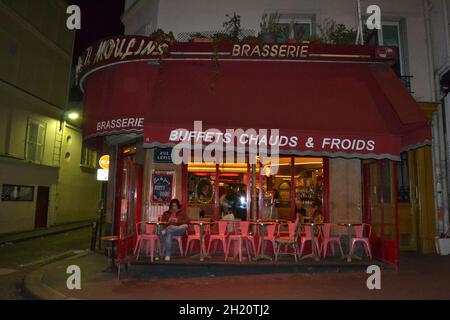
[322,108]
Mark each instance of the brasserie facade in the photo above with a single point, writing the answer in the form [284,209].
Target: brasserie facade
[284,127]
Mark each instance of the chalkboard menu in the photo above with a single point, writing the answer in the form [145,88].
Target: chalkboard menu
[163,155]
[162,187]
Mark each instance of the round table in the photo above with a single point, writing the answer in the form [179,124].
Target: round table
[314,250]
[201,224]
[262,225]
[349,227]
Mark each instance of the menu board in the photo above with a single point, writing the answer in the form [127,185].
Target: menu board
[162,184]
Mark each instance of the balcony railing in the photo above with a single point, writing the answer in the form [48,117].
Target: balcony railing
[407,82]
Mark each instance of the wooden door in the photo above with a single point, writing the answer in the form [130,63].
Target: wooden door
[41,214]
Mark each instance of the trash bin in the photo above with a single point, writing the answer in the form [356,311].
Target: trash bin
[442,246]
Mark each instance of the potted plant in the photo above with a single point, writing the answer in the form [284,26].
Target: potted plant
[159,35]
[201,38]
[269,28]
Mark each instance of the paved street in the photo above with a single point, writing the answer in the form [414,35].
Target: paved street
[421,277]
[22,257]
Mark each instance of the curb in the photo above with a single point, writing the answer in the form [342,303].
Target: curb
[35,288]
[43,234]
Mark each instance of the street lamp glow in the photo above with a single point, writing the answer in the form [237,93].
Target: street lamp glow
[73,116]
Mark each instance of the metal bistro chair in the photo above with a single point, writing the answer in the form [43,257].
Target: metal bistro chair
[328,239]
[221,237]
[363,239]
[290,241]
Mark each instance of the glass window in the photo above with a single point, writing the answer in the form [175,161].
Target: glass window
[88,157]
[295,28]
[386,180]
[35,141]
[390,35]
[17,193]
[403,179]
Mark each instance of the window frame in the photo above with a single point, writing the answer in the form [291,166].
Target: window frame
[402,39]
[40,125]
[292,19]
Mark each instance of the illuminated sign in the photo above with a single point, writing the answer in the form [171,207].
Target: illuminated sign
[103,162]
[102,174]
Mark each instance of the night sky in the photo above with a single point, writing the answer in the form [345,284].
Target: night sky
[99,19]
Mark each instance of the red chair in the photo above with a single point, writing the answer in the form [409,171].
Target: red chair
[329,239]
[194,237]
[219,237]
[269,237]
[360,238]
[149,238]
[179,240]
[309,237]
[240,238]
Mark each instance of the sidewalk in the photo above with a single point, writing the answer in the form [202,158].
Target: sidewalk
[421,277]
[27,235]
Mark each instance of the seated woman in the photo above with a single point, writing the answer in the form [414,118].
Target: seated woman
[177,226]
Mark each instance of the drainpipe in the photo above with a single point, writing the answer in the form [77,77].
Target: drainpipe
[439,146]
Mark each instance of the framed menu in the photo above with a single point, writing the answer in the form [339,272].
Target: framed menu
[162,185]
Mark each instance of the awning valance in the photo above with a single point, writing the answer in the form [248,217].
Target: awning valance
[340,109]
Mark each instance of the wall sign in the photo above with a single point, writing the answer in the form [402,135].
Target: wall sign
[103,162]
[163,155]
[162,184]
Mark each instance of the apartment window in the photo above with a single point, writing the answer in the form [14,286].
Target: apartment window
[295,27]
[392,34]
[17,193]
[35,140]
[88,157]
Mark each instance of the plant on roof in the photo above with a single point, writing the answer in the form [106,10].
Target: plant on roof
[160,35]
[233,26]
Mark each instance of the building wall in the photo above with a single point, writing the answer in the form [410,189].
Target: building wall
[78,191]
[206,15]
[35,63]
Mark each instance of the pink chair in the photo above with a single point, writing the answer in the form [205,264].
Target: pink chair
[269,237]
[149,238]
[240,238]
[194,237]
[329,239]
[360,238]
[219,237]
[309,237]
[179,240]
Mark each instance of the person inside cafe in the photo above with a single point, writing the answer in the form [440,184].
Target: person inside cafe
[177,226]
[317,214]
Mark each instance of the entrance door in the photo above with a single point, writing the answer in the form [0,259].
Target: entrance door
[345,190]
[381,209]
[41,214]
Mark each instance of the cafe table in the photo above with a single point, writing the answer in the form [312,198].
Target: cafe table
[201,224]
[159,225]
[349,227]
[315,252]
[262,226]
[113,240]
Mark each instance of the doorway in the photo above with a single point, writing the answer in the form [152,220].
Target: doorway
[41,214]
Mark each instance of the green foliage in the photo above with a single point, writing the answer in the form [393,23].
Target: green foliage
[233,26]
[269,24]
[334,33]
[160,35]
